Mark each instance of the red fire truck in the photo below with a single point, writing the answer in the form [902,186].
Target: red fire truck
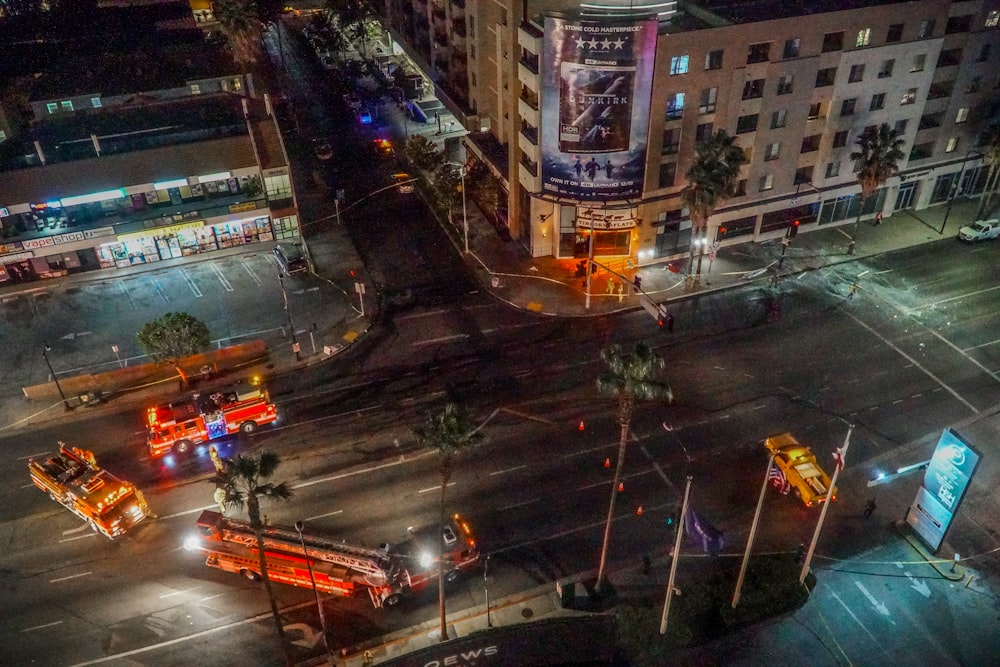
[177,427]
[385,574]
[73,479]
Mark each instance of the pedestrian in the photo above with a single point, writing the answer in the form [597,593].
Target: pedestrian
[853,289]
[670,323]
[800,555]
[869,508]
[878,218]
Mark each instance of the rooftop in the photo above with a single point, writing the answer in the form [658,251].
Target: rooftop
[752,11]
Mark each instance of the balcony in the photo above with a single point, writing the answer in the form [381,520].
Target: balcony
[930,121]
[529,60]
[529,132]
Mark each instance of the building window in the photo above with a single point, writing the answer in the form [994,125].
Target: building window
[803,175]
[951,145]
[963,115]
[815,110]
[949,58]
[52,107]
[826,77]
[958,24]
[885,71]
[708,100]
[840,139]
[811,143]
[832,169]
[864,37]
[833,41]
[895,33]
[926,29]
[713,59]
[668,173]
[758,53]
[974,84]
[984,53]
[278,187]
[703,132]
[900,126]
[778,119]
[772,151]
[671,141]
[878,102]
[766,183]
[857,73]
[847,106]
[909,97]
[95,102]
[753,89]
[741,188]
[67,105]
[785,84]
[919,62]
[678,65]
[675,106]
[791,49]
[746,124]
[993,18]
[195,89]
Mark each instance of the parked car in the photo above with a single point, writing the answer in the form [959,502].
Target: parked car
[980,230]
[404,183]
[290,258]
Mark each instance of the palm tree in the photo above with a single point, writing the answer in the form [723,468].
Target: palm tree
[240,23]
[450,433]
[990,141]
[877,160]
[242,482]
[629,378]
[712,179]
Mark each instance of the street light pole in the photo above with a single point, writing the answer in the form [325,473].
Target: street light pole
[45,355]
[954,190]
[312,580]
[841,455]
[288,315]
[753,533]
[486,583]
[465,217]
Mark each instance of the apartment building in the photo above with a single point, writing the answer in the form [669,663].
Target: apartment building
[795,82]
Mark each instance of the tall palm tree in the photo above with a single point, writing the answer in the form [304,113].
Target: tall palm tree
[712,179]
[990,141]
[877,160]
[629,378]
[241,25]
[242,482]
[450,432]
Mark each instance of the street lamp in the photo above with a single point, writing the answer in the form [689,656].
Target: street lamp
[55,378]
[955,189]
[288,315]
[312,579]
[465,217]
[426,560]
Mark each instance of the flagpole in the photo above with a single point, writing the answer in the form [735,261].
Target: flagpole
[677,556]
[753,532]
[841,455]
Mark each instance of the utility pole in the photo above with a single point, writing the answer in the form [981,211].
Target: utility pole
[753,533]
[45,355]
[312,578]
[288,315]
[841,455]
[676,557]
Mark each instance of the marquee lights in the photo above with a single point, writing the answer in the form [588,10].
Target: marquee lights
[104,195]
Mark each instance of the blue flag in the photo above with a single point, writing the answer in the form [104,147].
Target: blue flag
[710,538]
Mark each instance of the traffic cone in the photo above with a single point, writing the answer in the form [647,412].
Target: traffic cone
[607,463]
[621,486]
[638,510]
[581,427]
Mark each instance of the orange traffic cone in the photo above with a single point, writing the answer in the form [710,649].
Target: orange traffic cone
[638,510]
[621,486]
[581,427]
[607,463]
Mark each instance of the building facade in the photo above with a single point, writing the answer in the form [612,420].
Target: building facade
[796,84]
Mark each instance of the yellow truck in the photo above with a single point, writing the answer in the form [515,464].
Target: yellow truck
[796,469]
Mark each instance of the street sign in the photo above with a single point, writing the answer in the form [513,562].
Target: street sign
[711,256]
[948,475]
[359,288]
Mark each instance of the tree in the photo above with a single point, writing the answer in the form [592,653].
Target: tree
[447,184]
[990,141]
[422,152]
[450,433]
[240,23]
[242,482]
[877,160]
[629,378]
[173,337]
[712,179]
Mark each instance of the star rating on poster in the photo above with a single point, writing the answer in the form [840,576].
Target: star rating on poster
[605,44]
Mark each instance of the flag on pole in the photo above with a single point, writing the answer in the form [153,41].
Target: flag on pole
[710,538]
[778,480]
[838,456]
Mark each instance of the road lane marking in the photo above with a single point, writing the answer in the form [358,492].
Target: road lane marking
[41,627]
[926,372]
[226,285]
[190,281]
[187,512]
[857,620]
[71,531]
[435,488]
[414,316]
[501,472]
[72,576]
[520,504]
[442,339]
[170,595]
[321,516]
[81,537]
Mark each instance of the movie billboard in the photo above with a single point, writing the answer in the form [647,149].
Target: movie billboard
[597,78]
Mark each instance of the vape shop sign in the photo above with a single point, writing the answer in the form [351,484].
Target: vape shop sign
[948,476]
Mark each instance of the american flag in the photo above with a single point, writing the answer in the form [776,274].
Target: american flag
[777,478]
[838,456]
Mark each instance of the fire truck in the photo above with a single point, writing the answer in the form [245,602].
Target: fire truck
[178,427]
[386,574]
[73,479]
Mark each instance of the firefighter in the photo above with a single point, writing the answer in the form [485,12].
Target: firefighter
[213,453]
[220,467]
[145,506]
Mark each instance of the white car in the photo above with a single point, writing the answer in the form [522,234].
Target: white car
[980,230]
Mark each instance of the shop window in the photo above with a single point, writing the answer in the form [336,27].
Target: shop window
[285,228]
[277,187]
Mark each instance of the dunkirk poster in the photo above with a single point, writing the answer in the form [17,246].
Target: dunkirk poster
[597,77]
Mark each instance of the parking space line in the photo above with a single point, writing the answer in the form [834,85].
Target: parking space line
[123,290]
[253,274]
[226,285]
[190,281]
[159,290]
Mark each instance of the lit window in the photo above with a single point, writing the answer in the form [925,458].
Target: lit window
[67,105]
[772,151]
[778,119]
[678,65]
[993,18]
[909,97]
[952,145]
[766,182]
[52,107]
[195,89]
[675,106]
[95,102]
[864,37]
[963,115]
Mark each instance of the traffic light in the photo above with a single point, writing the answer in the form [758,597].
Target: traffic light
[793,229]
[637,281]
[672,519]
